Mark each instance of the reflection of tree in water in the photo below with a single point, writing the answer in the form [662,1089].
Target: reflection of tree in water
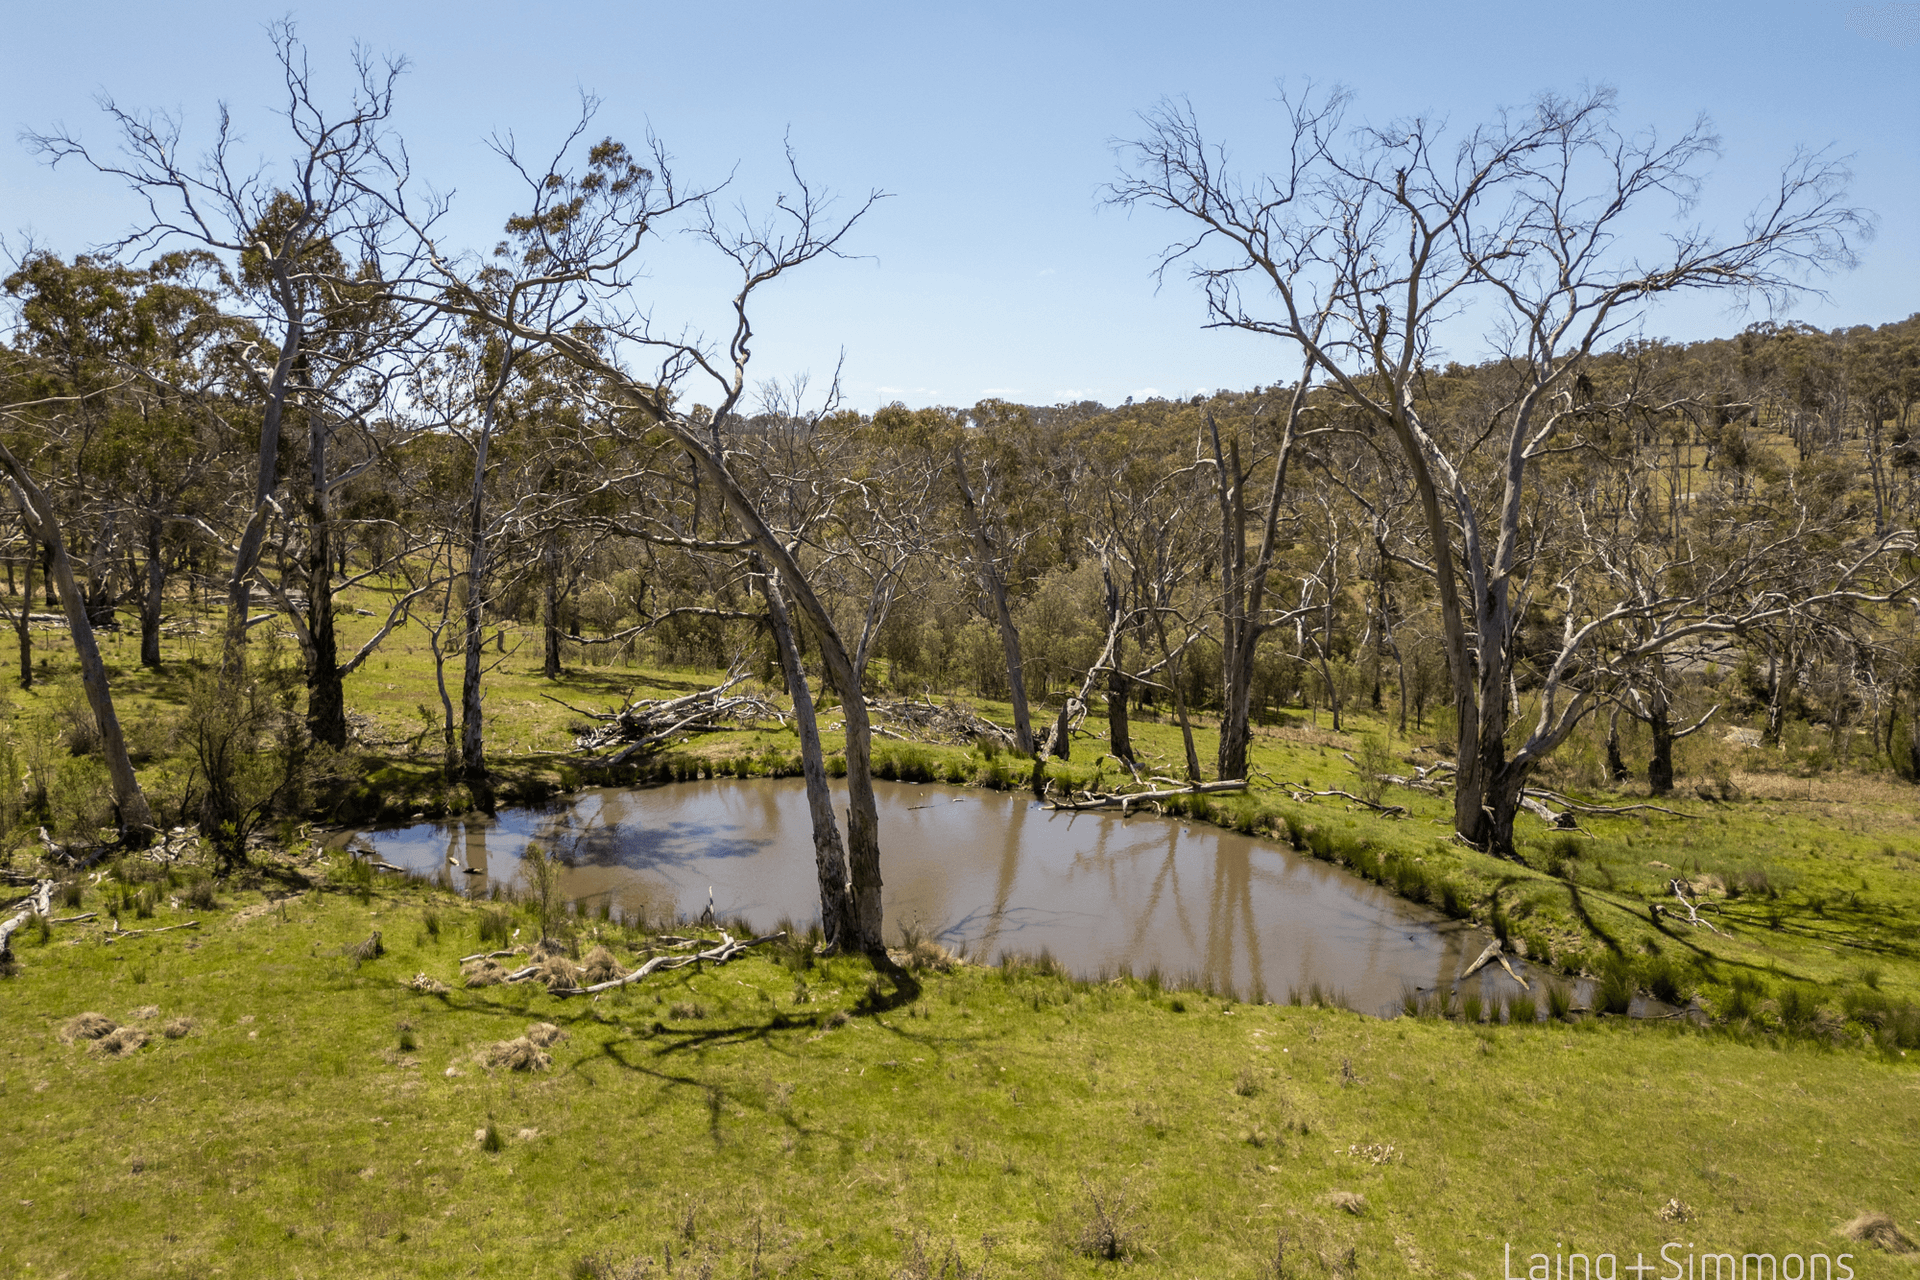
[592,841]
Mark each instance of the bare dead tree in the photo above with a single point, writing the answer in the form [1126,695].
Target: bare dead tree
[1386,230]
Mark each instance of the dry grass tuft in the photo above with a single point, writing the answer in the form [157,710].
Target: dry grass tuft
[86,1026]
[176,1028]
[519,1054]
[557,973]
[427,984]
[1880,1230]
[361,952]
[686,1009]
[600,966]
[1112,1228]
[1352,1201]
[928,954]
[118,1044]
[482,973]
[838,1018]
[146,1011]
[545,1034]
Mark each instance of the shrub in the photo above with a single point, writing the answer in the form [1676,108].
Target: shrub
[1111,1229]
[1664,981]
[1799,1005]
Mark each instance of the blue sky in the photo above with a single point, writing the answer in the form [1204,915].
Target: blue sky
[994,269]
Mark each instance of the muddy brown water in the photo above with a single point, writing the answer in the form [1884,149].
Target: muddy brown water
[985,873]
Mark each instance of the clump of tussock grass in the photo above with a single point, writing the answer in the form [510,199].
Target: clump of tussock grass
[200,895]
[86,1026]
[1614,992]
[545,1034]
[925,953]
[1559,1001]
[517,1054]
[146,1012]
[1351,1201]
[490,1139]
[685,1010]
[177,1028]
[430,921]
[361,952]
[557,973]
[482,973]
[1244,1084]
[1881,1231]
[599,966]
[1472,1006]
[428,985]
[1112,1228]
[1522,1011]
[119,1043]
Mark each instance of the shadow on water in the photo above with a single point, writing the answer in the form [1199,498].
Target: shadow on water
[986,872]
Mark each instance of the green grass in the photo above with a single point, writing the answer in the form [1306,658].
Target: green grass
[783,1115]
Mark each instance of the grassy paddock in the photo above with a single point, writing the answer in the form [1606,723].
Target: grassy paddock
[785,1115]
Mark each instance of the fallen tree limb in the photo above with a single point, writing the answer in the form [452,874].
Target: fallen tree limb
[1538,808]
[641,725]
[38,903]
[1125,800]
[485,955]
[930,721]
[1493,949]
[91,915]
[1391,810]
[1693,916]
[116,933]
[1579,807]
[729,948]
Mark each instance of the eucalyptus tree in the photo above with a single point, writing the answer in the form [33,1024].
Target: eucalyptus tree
[1384,231]
[280,231]
[28,420]
[586,227]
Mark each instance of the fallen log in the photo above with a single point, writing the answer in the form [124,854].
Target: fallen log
[649,722]
[116,933]
[37,903]
[1693,916]
[729,948]
[1391,810]
[1125,800]
[1493,949]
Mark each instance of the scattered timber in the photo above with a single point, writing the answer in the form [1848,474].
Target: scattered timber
[646,723]
[1124,801]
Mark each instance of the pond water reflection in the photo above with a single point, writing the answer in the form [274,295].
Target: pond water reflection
[988,872]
